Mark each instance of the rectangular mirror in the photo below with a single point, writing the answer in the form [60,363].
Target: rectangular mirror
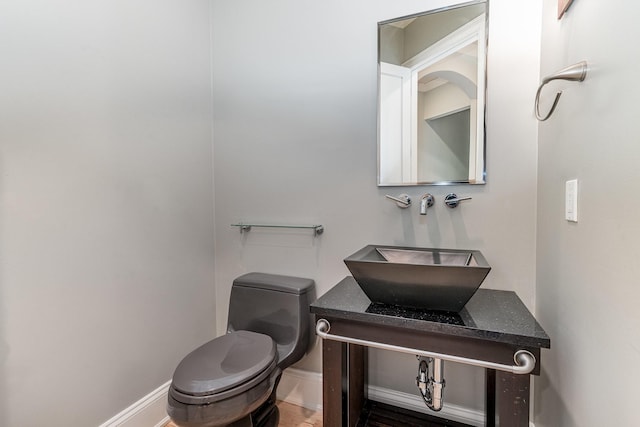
[431,97]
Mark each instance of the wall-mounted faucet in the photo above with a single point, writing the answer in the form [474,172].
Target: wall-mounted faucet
[426,202]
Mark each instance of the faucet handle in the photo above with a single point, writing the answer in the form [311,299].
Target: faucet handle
[452,200]
[402,201]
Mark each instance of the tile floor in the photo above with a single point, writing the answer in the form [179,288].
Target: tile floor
[293,416]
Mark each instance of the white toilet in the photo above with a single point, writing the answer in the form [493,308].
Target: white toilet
[232,380]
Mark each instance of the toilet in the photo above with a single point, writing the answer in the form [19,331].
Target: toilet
[232,380]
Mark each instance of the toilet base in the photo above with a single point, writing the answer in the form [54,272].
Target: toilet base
[264,412]
[265,416]
[268,414]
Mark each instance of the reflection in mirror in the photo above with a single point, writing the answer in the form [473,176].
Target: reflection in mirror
[431,100]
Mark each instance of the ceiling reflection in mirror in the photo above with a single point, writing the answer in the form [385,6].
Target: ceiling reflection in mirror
[431,100]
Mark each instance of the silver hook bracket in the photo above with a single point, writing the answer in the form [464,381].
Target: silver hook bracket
[576,73]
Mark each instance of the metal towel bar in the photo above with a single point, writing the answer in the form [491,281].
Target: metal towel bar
[524,360]
[317,229]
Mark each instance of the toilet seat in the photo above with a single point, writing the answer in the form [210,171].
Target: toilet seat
[224,367]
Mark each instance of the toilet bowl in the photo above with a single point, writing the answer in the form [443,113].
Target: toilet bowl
[232,380]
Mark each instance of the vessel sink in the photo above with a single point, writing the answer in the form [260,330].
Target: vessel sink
[423,278]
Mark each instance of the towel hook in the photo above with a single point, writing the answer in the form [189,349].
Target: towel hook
[576,73]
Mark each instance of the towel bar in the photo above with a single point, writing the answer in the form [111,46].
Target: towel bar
[524,360]
[317,229]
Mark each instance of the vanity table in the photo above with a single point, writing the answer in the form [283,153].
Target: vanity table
[490,329]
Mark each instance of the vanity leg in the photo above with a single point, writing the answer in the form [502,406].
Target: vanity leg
[343,383]
[490,397]
[356,370]
[332,408]
[512,399]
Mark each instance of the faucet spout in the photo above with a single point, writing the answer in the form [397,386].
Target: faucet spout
[426,202]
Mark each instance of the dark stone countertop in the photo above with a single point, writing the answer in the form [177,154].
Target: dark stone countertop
[490,315]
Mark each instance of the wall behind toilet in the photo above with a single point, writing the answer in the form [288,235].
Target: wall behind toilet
[106,233]
[294,107]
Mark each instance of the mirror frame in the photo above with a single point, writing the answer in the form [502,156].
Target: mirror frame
[477,170]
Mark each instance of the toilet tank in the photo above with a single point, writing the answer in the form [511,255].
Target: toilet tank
[277,306]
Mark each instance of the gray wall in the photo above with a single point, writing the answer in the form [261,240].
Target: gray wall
[587,276]
[295,141]
[106,198]
[106,203]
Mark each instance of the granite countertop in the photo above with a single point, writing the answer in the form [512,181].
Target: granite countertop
[491,315]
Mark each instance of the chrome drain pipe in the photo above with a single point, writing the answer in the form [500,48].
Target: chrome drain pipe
[430,381]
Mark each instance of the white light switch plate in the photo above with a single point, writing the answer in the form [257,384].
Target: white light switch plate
[571,200]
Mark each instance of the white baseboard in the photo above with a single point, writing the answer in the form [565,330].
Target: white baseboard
[415,403]
[298,387]
[146,412]
[302,388]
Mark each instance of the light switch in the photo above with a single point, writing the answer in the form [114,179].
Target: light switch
[571,200]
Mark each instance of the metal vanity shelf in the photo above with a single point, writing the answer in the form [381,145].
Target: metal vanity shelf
[494,331]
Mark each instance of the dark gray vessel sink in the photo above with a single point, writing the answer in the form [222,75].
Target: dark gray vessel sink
[423,278]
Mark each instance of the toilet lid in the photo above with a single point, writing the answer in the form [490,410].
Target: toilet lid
[224,363]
